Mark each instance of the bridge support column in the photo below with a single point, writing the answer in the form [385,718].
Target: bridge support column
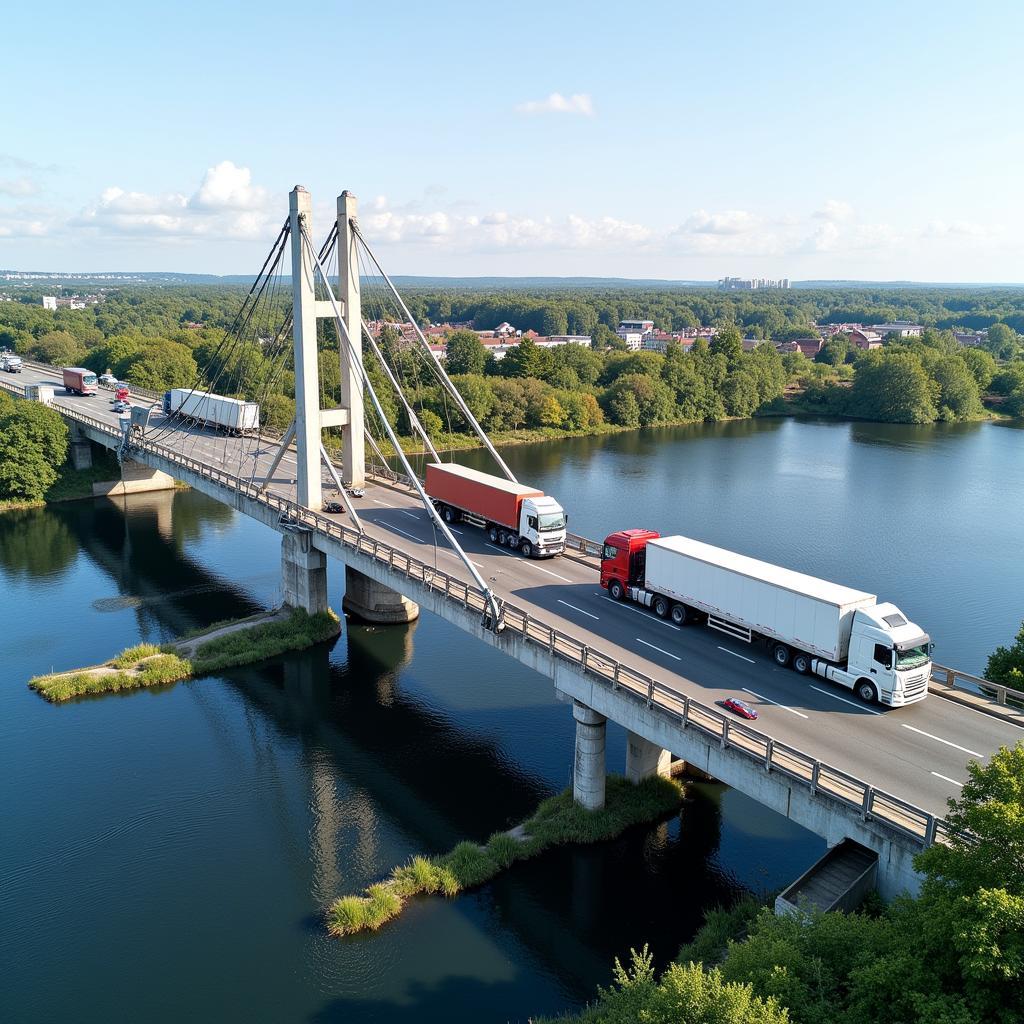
[136,478]
[81,449]
[644,758]
[303,573]
[589,771]
[371,601]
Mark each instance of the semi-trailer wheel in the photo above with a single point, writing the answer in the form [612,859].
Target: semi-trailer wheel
[616,590]
[802,662]
[501,538]
[679,614]
[450,515]
[661,607]
[865,690]
[780,652]
[492,534]
[527,549]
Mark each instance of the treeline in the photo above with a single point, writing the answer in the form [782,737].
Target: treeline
[33,447]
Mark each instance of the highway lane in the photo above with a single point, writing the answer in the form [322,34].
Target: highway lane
[918,753]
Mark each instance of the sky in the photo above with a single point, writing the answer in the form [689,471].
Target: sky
[678,140]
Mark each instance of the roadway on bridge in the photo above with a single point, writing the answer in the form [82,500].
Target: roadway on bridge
[918,753]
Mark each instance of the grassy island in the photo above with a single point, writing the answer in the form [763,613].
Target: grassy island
[225,645]
[558,820]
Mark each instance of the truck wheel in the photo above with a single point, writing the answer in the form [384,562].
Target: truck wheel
[780,652]
[802,663]
[679,614]
[866,691]
[512,540]
[617,590]
[449,514]
[492,534]
[527,549]
[661,607]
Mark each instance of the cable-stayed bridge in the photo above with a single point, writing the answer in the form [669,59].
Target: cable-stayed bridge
[841,768]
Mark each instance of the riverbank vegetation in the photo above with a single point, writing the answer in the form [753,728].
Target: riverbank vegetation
[1006,664]
[558,820]
[954,954]
[33,448]
[170,337]
[231,644]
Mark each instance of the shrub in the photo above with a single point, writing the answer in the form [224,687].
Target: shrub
[131,656]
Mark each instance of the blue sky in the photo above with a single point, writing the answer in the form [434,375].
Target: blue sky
[671,140]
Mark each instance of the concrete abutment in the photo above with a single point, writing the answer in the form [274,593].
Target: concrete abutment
[371,601]
[644,759]
[303,573]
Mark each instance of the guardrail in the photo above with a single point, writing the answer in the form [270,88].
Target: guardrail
[954,679]
[685,712]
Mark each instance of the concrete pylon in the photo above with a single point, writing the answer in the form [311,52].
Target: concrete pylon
[371,601]
[303,573]
[307,377]
[588,775]
[644,759]
[353,445]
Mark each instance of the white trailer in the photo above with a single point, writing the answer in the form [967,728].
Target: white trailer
[208,409]
[810,624]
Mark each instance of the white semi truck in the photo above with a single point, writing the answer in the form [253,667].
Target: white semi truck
[811,625]
[210,410]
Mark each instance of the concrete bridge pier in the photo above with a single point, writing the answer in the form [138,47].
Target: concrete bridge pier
[303,573]
[371,601]
[81,448]
[644,759]
[589,769]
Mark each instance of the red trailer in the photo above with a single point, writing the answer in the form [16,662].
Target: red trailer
[79,381]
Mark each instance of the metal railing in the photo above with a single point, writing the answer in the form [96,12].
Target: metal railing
[954,679]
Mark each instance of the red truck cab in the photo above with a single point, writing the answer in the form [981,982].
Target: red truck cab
[623,559]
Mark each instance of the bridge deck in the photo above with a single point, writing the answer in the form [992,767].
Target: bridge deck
[919,752]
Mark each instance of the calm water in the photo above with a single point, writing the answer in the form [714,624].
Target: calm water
[168,855]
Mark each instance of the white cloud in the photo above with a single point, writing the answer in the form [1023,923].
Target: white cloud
[226,205]
[835,210]
[729,222]
[556,103]
[19,187]
[942,229]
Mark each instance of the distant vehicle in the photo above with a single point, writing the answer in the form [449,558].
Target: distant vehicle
[738,707]
[108,380]
[333,507]
[120,392]
[513,515]
[79,381]
[813,626]
[122,405]
[12,364]
[209,410]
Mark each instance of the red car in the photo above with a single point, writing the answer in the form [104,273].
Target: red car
[738,707]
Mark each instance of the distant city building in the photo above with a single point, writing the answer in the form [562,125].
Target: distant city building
[809,346]
[901,328]
[970,339]
[49,302]
[633,332]
[752,284]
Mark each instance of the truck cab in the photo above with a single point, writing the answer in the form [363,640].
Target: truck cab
[542,524]
[12,363]
[622,560]
[887,652]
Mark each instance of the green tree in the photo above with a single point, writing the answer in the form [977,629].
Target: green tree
[981,364]
[522,360]
[727,342]
[58,348]
[555,320]
[894,388]
[1002,341]
[959,397]
[653,398]
[509,409]
[464,353]
[1006,664]
[33,444]
[477,393]
[163,364]
[834,351]
[740,393]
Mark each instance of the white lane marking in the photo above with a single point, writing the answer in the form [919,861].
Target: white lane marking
[398,529]
[575,609]
[564,579]
[459,532]
[384,503]
[770,701]
[504,551]
[659,649]
[411,515]
[744,657]
[853,704]
[946,778]
[631,608]
[939,739]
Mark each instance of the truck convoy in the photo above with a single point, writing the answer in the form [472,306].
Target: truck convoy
[810,625]
[513,515]
[79,381]
[209,410]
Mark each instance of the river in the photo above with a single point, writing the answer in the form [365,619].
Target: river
[168,855]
